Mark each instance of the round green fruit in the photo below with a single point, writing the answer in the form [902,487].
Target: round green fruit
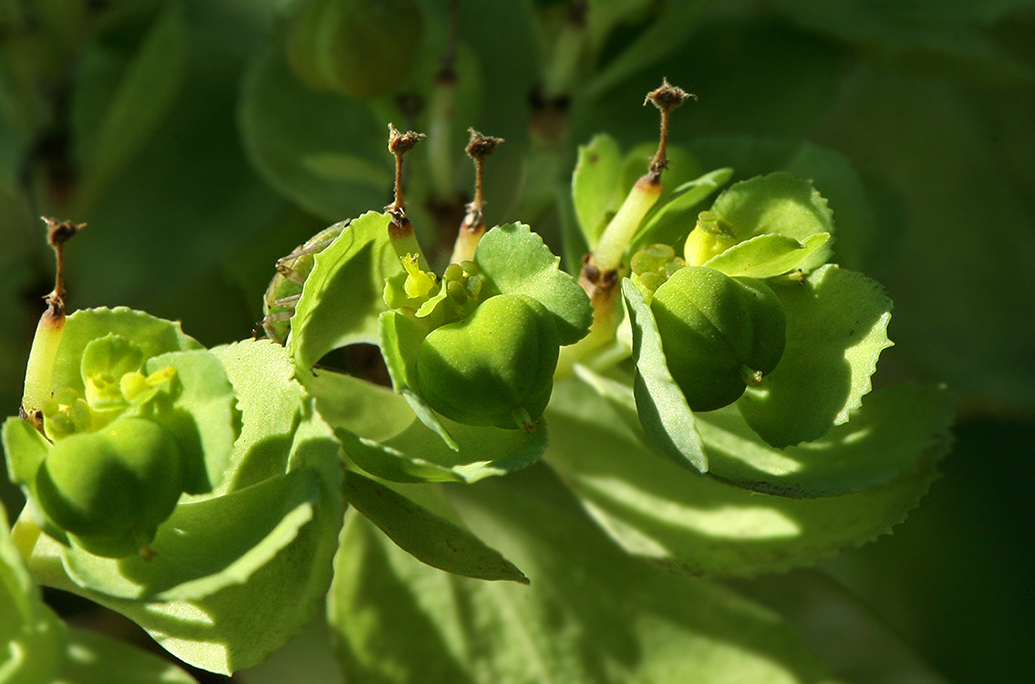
[718,333]
[109,490]
[494,367]
[360,48]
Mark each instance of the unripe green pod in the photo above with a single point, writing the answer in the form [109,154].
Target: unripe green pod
[360,48]
[112,488]
[718,333]
[494,367]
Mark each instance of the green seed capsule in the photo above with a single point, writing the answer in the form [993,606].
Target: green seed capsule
[717,333]
[360,48]
[112,488]
[494,367]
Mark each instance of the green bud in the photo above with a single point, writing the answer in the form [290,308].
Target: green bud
[718,333]
[112,488]
[360,48]
[454,272]
[494,367]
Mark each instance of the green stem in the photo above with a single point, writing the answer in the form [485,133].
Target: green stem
[567,51]
[440,127]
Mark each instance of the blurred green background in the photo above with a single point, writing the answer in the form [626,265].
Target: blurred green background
[177,131]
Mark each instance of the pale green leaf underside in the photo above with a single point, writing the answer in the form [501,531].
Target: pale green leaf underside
[601,618]
[664,414]
[881,440]
[515,261]
[429,538]
[342,296]
[837,324]
[700,525]
[767,256]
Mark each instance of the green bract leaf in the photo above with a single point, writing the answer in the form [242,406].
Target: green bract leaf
[699,525]
[672,219]
[202,416]
[368,410]
[600,617]
[242,572]
[881,440]
[778,203]
[837,324]
[270,401]
[24,451]
[515,261]
[667,420]
[152,335]
[343,294]
[767,256]
[431,539]
[596,185]
[33,637]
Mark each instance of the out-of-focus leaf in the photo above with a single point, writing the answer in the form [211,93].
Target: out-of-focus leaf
[837,323]
[96,659]
[431,539]
[33,637]
[698,525]
[599,617]
[146,89]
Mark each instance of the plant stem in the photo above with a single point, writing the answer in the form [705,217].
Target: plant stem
[400,230]
[564,62]
[473,226]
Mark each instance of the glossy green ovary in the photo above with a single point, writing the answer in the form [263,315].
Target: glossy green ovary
[111,489]
[500,359]
[716,331]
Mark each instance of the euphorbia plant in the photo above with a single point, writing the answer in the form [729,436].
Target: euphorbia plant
[696,393]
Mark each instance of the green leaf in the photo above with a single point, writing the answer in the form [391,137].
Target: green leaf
[778,203]
[767,256]
[153,335]
[837,324]
[145,92]
[671,220]
[514,260]
[600,616]
[401,337]
[203,416]
[24,450]
[429,538]
[363,408]
[667,420]
[698,525]
[97,659]
[882,439]
[253,602]
[596,185]
[207,545]
[418,455]
[342,296]
[33,637]
[270,401]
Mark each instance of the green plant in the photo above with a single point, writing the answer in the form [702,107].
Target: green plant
[759,449]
